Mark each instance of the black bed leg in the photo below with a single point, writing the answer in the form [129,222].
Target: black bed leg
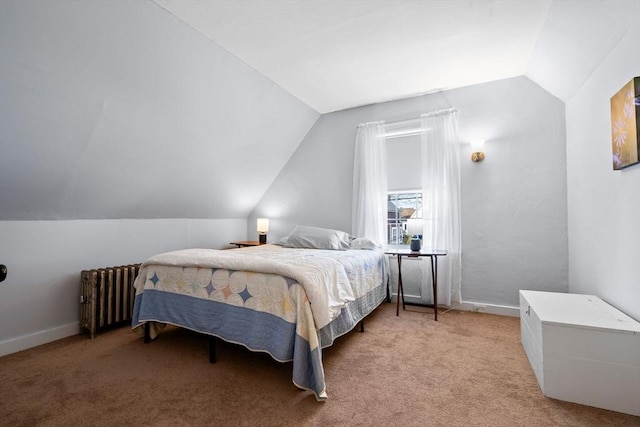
[362,325]
[212,350]
[147,333]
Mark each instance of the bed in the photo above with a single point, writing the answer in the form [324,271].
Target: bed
[286,301]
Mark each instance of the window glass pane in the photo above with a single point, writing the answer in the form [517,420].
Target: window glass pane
[400,207]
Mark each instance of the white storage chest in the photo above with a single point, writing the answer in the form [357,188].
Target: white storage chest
[582,349]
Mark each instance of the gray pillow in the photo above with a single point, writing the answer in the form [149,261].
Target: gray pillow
[304,236]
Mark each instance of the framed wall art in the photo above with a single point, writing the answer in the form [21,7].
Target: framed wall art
[625,125]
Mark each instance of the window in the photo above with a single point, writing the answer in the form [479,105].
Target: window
[401,206]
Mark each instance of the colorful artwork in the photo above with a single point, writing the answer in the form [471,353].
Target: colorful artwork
[625,125]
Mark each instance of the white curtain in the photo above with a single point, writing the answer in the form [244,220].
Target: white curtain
[369,213]
[441,204]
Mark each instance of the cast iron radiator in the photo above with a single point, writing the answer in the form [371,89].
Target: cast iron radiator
[106,297]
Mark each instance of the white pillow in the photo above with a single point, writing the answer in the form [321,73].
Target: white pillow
[281,241]
[304,236]
[364,243]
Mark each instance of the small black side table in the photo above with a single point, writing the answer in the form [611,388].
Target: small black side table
[433,255]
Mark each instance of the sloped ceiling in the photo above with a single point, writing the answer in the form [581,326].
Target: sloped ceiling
[127,109]
[119,110]
[334,55]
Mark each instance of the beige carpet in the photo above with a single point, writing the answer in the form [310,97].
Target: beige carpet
[467,369]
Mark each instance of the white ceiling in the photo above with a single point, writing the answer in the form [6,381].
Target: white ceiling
[334,55]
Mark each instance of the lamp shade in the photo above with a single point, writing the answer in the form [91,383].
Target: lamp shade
[414,226]
[263,225]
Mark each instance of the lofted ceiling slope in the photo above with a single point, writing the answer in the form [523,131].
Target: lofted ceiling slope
[334,55]
[129,110]
[119,110]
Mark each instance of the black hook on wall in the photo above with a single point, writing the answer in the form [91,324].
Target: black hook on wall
[3,272]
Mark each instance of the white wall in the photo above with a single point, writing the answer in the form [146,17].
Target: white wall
[603,204]
[514,215]
[39,300]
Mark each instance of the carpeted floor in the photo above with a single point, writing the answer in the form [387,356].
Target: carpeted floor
[467,369]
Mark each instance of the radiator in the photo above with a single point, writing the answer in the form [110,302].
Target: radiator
[106,297]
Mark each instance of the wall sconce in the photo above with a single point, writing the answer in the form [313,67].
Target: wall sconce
[476,146]
[414,228]
[263,229]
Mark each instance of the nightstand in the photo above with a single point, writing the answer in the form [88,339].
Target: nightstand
[245,243]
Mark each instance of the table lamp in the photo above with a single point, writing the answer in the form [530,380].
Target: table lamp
[263,229]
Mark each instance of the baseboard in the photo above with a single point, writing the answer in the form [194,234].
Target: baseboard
[24,342]
[502,310]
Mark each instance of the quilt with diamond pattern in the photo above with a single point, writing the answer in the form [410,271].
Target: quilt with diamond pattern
[289,303]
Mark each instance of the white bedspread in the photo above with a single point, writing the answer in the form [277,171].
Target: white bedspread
[324,279]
